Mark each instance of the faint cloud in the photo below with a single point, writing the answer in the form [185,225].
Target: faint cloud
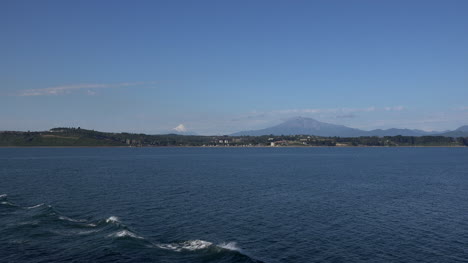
[67,89]
[369,109]
[90,92]
[342,111]
[395,108]
[289,111]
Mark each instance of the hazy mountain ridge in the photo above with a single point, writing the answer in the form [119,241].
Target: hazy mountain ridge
[309,126]
[395,132]
[460,132]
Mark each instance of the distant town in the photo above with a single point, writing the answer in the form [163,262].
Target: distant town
[77,137]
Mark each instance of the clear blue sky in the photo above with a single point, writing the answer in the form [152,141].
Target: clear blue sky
[222,66]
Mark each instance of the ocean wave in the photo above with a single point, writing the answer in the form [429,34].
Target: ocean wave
[192,245]
[189,245]
[28,223]
[7,203]
[36,206]
[196,245]
[113,219]
[50,223]
[229,246]
[66,218]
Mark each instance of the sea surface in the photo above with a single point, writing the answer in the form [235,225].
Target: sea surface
[234,204]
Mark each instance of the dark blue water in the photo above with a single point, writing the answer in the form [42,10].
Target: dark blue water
[234,205]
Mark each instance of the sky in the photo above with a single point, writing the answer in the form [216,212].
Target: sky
[218,67]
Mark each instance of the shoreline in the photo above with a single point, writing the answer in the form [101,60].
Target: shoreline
[361,146]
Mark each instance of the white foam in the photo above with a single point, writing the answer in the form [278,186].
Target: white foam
[33,223]
[229,246]
[3,196]
[71,219]
[125,233]
[86,232]
[113,219]
[6,203]
[35,206]
[190,245]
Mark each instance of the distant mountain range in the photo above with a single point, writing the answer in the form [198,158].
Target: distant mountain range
[460,132]
[309,126]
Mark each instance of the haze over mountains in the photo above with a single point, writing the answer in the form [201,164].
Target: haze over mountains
[309,126]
